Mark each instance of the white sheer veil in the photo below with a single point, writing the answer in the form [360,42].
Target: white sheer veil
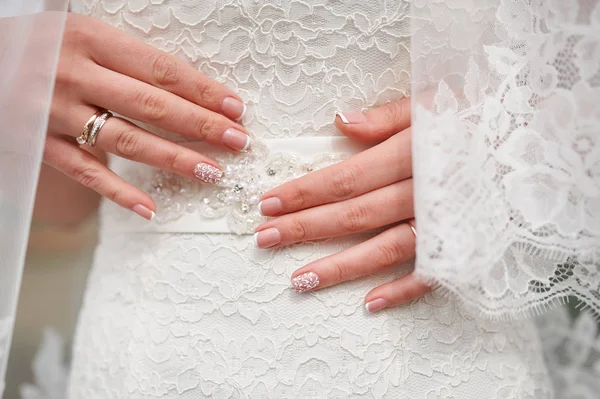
[30,37]
[506,153]
[507,150]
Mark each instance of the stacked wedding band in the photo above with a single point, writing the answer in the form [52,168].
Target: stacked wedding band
[92,127]
[413,229]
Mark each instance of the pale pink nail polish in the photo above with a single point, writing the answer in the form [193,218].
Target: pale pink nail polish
[236,140]
[376,305]
[267,238]
[305,282]
[233,108]
[143,211]
[207,173]
[352,117]
[270,207]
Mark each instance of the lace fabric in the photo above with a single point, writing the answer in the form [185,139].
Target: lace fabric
[209,315]
[507,151]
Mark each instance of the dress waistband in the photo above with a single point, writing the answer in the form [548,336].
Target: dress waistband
[188,206]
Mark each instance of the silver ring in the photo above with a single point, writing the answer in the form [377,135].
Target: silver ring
[98,123]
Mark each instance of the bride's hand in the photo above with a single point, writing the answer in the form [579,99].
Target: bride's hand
[370,190]
[100,67]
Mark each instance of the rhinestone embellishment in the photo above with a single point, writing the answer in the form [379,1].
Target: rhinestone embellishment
[235,191]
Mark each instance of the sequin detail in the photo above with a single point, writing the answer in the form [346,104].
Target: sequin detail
[236,195]
[305,282]
[207,173]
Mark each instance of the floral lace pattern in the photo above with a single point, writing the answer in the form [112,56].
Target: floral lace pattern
[295,63]
[246,178]
[509,139]
[210,315]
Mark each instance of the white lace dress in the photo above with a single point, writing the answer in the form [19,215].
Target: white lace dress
[186,306]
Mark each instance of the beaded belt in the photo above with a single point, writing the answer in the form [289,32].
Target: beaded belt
[188,206]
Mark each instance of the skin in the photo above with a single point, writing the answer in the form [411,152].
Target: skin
[146,84]
[142,83]
[348,198]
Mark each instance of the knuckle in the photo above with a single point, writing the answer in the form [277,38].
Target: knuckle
[354,218]
[88,176]
[154,106]
[76,33]
[299,230]
[65,76]
[165,70]
[113,194]
[173,161]
[343,181]
[71,76]
[297,198]
[205,125]
[339,272]
[205,90]
[128,144]
[392,112]
[389,253]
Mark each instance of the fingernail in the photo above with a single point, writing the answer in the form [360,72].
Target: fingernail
[270,207]
[143,211]
[207,173]
[305,282]
[352,117]
[267,238]
[376,305]
[233,108]
[236,140]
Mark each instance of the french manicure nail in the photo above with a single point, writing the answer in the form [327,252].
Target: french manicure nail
[233,108]
[267,238]
[207,173]
[376,305]
[236,140]
[270,207]
[352,117]
[305,282]
[143,211]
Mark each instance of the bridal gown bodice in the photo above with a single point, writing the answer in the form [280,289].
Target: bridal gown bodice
[185,306]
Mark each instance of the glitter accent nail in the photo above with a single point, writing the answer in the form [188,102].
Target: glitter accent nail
[207,173]
[305,282]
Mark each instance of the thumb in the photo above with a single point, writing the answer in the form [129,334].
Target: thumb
[377,124]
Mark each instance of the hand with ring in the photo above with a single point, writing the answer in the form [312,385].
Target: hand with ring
[100,69]
[372,189]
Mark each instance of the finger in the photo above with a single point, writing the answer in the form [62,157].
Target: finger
[377,124]
[157,68]
[125,139]
[397,292]
[378,208]
[376,167]
[87,170]
[392,247]
[146,103]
